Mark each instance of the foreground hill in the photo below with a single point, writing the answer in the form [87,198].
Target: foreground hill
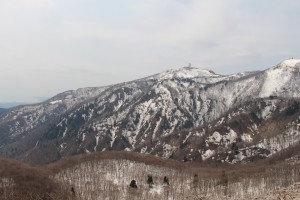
[19,181]
[187,114]
[108,176]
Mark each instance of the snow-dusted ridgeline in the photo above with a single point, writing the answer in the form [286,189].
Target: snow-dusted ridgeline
[173,114]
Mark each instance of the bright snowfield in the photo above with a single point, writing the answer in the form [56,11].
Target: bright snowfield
[277,77]
[188,72]
[110,179]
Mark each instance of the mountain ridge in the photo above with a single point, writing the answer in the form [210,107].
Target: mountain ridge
[164,114]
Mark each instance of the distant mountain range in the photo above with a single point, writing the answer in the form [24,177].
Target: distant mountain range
[2,110]
[187,114]
[11,104]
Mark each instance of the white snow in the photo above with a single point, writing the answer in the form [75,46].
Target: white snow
[188,72]
[229,137]
[97,142]
[65,132]
[290,63]
[208,153]
[36,145]
[202,133]
[238,157]
[156,127]
[55,102]
[226,139]
[6,182]
[83,136]
[246,137]
[62,146]
[277,77]
[157,189]
[143,150]
[215,138]
[113,137]
[187,137]
[168,150]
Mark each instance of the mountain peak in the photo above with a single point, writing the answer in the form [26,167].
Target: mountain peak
[188,72]
[290,63]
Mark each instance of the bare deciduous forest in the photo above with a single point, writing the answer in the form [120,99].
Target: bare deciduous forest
[108,175]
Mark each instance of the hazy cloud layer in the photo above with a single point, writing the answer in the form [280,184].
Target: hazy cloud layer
[49,46]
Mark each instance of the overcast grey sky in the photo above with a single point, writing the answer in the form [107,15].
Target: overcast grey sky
[50,46]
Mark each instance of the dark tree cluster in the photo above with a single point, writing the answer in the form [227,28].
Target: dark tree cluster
[149,181]
[133,184]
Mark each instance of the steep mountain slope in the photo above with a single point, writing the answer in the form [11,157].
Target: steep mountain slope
[23,121]
[30,116]
[185,114]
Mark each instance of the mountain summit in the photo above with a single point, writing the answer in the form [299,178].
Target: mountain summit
[188,72]
[290,63]
[187,114]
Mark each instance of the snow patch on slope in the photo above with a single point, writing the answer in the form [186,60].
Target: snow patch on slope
[226,139]
[208,153]
[277,77]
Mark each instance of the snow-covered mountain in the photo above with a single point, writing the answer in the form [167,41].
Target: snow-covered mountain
[185,114]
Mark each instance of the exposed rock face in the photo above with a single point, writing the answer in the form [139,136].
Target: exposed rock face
[186,114]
